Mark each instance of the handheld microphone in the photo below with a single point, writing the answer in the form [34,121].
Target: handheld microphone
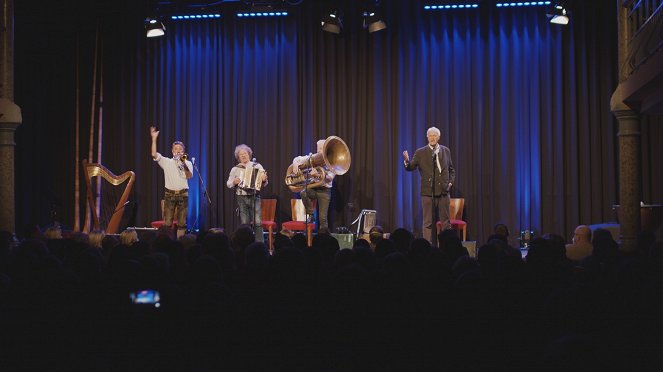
[193,160]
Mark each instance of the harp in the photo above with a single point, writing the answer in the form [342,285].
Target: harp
[106,215]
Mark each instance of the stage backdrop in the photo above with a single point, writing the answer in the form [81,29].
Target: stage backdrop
[522,104]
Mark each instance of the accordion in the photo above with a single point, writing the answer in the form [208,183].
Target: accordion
[252,179]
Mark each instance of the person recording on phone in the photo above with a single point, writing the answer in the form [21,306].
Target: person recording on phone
[435,166]
[177,172]
[246,193]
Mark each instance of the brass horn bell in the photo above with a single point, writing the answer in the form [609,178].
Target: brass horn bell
[335,157]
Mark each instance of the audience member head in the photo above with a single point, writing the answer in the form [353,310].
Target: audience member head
[328,246]
[300,241]
[384,247]
[53,232]
[364,254]
[501,230]
[188,241]
[375,234]
[128,237]
[601,233]
[582,234]
[282,241]
[96,238]
[242,237]
[402,238]
[256,256]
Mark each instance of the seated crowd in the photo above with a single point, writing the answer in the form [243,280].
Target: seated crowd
[388,303]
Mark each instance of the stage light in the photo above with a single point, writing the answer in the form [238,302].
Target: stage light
[154,27]
[373,22]
[195,16]
[373,17]
[451,6]
[332,23]
[522,3]
[558,14]
[254,13]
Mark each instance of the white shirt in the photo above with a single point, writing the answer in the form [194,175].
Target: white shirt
[329,180]
[238,172]
[173,172]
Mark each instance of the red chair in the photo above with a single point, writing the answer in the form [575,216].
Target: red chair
[456,206]
[298,222]
[268,208]
[158,224]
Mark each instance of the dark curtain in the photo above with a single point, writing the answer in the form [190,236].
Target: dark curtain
[522,104]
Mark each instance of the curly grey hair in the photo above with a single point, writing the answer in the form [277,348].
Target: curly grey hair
[243,147]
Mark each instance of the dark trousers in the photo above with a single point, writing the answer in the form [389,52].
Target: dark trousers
[441,212]
[323,196]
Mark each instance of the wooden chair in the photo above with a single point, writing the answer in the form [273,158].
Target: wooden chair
[268,207]
[456,206]
[298,222]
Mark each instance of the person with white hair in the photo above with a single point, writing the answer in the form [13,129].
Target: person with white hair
[248,199]
[435,167]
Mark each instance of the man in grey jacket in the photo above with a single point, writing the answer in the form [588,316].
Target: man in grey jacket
[435,166]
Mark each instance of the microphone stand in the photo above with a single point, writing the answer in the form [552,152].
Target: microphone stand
[433,227]
[202,183]
[255,197]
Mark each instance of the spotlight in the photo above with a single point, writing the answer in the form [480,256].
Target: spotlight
[154,28]
[558,14]
[373,22]
[332,23]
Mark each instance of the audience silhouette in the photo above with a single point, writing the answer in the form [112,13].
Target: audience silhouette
[395,303]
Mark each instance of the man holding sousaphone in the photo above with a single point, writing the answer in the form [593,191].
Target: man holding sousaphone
[312,175]
[247,178]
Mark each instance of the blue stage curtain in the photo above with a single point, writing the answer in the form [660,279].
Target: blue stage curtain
[522,104]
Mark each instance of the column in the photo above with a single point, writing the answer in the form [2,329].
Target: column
[630,177]
[10,119]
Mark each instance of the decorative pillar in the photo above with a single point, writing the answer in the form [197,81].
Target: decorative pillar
[10,119]
[630,177]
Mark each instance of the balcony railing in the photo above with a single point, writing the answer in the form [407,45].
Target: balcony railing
[645,23]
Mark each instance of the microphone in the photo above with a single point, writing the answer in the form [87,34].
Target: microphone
[193,160]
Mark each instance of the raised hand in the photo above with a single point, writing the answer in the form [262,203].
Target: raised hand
[406,156]
[154,133]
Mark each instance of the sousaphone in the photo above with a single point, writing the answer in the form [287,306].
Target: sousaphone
[335,157]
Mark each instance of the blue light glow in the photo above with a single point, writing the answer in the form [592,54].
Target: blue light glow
[451,6]
[195,16]
[525,3]
[280,13]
